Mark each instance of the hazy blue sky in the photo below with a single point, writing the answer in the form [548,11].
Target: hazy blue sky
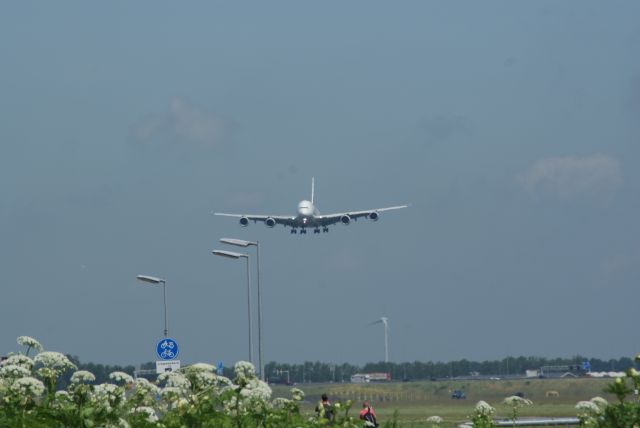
[513,129]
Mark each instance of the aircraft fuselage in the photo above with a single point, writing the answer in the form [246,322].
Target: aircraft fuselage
[306,214]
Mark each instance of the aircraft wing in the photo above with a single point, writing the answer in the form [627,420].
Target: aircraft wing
[279,219]
[328,219]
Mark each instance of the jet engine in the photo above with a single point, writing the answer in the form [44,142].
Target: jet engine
[374,216]
[244,221]
[270,222]
[345,219]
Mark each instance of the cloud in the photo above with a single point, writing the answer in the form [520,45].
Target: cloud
[441,128]
[184,123]
[567,176]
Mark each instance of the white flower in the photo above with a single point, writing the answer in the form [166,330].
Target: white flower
[516,401]
[62,395]
[600,402]
[201,366]
[148,411]
[108,395]
[175,379]
[244,370]
[61,398]
[121,378]
[280,402]
[30,343]
[55,361]
[13,371]
[434,419]
[82,376]
[18,360]
[120,424]
[256,390]
[297,394]
[146,387]
[170,393]
[203,379]
[28,386]
[225,382]
[587,407]
[483,408]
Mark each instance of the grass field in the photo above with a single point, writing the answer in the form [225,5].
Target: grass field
[416,401]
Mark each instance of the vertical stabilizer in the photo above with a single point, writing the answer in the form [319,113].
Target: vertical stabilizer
[313,185]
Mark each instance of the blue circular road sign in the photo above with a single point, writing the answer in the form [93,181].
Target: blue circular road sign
[167,349]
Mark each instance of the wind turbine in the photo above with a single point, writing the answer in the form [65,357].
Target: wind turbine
[384,321]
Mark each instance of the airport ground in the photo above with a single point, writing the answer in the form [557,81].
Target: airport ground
[416,401]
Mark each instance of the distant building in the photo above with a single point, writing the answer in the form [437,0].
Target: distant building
[370,377]
[531,373]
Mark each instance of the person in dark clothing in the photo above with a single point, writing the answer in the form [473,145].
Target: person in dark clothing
[323,409]
[368,415]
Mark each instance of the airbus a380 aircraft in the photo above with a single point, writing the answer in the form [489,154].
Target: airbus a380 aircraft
[309,216]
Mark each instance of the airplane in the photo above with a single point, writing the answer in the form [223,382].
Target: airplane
[309,217]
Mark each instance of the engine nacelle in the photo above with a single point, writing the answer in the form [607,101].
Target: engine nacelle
[345,219]
[244,221]
[270,222]
[374,216]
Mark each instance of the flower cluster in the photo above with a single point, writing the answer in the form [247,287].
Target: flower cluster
[193,395]
[590,412]
[148,412]
[175,380]
[483,415]
[434,421]
[30,343]
[121,378]
[297,394]
[55,361]
[244,371]
[82,376]
[484,408]
[12,371]
[18,360]
[28,387]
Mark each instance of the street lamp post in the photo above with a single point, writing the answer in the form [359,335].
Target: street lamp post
[155,281]
[232,255]
[243,243]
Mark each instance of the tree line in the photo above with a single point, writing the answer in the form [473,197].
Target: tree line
[418,370]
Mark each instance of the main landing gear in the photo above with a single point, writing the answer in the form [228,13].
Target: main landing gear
[303,230]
